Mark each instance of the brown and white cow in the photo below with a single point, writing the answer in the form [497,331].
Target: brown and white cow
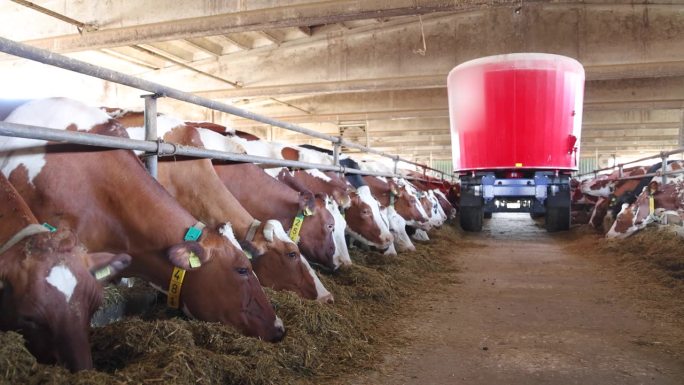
[397,205]
[193,182]
[48,292]
[331,186]
[667,203]
[265,197]
[113,204]
[612,193]
[657,203]
[363,217]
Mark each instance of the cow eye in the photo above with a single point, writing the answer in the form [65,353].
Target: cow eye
[331,227]
[242,271]
[292,254]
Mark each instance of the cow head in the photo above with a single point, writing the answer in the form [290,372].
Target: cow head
[410,206]
[279,265]
[341,256]
[49,292]
[316,235]
[599,212]
[364,221]
[236,297]
[397,225]
[340,190]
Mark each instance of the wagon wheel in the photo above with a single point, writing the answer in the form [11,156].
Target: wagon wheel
[557,219]
[471,218]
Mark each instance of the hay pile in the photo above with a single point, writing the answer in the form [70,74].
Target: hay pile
[322,342]
[659,247]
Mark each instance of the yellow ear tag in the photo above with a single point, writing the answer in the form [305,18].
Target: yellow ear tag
[103,273]
[194,260]
[651,204]
[308,211]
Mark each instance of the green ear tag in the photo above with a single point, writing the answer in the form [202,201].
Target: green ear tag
[248,254]
[103,273]
[193,234]
[51,228]
[307,211]
[194,260]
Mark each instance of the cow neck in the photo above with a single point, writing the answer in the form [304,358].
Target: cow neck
[380,191]
[195,185]
[261,195]
[27,231]
[166,222]
[14,212]
[121,208]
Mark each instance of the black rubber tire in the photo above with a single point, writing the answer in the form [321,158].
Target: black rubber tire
[471,218]
[536,215]
[557,219]
[487,215]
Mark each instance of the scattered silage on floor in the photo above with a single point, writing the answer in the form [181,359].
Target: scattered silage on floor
[323,341]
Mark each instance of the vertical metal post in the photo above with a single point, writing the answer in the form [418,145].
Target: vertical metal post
[620,171]
[396,162]
[663,168]
[151,131]
[336,151]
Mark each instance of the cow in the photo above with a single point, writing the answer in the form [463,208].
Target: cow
[111,202]
[363,218]
[657,203]
[49,285]
[265,197]
[311,236]
[614,192]
[366,224]
[448,209]
[331,185]
[193,182]
[364,221]
[582,205]
[397,205]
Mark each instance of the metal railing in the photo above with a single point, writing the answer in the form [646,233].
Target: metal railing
[620,167]
[158,90]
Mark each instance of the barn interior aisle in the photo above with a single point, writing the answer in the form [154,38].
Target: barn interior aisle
[536,308]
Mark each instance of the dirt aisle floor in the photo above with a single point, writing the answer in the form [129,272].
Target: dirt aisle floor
[528,311]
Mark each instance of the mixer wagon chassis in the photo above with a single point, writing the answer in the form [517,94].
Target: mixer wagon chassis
[540,193]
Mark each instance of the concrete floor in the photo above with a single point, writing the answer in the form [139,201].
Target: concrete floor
[528,311]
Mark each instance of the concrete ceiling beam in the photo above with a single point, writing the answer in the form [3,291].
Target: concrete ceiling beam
[298,15]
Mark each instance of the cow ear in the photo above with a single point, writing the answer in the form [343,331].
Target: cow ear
[307,201]
[106,266]
[187,255]
[250,249]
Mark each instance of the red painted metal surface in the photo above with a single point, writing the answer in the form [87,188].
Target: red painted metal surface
[516,111]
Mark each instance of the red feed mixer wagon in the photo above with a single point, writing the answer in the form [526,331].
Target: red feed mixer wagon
[515,132]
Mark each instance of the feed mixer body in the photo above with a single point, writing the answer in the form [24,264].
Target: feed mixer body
[515,127]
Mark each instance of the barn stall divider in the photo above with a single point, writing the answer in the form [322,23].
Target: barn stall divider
[155,147]
[663,156]
[328,340]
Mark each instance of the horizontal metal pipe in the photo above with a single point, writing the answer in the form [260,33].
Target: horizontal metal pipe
[164,149]
[25,51]
[653,174]
[658,156]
